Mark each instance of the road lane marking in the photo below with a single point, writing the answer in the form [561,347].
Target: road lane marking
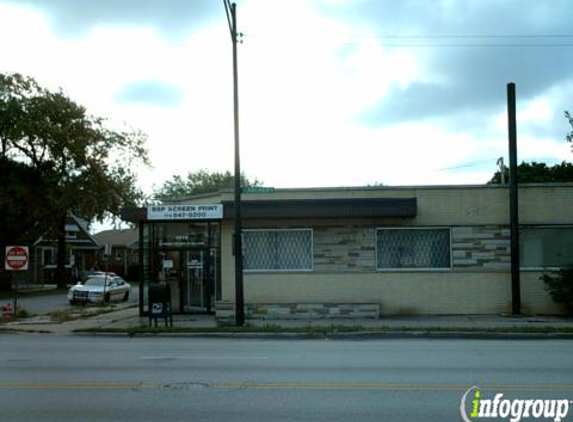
[377,386]
[75,385]
[204,357]
[385,386]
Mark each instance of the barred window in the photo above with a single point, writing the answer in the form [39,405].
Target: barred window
[546,247]
[413,249]
[277,250]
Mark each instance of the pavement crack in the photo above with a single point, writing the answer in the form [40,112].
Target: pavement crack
[185,385]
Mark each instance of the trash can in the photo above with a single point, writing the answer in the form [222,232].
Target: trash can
[159,302]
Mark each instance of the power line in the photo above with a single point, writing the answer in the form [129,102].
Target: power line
[483,163]
[364,40]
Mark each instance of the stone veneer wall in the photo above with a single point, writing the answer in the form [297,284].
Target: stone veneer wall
[344,249]
[225,311]
[486,248]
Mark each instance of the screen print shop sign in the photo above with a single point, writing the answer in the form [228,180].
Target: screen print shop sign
[185,212]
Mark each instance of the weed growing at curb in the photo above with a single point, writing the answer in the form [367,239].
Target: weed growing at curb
[331,329]
[83,312]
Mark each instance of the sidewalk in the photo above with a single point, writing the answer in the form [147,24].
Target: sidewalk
[126,321]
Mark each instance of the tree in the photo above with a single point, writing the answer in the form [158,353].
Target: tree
[569,136]
[538,173]
[22,188]
[197,182]
[85,168]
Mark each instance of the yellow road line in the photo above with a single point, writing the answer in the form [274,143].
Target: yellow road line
[380,386]
[386,386]
[73,385]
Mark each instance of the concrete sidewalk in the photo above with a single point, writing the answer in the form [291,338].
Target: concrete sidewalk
[127,319]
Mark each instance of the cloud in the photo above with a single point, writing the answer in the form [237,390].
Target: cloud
[150,92]
[468,52]
[71,18]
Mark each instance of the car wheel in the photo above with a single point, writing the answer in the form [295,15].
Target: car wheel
[125,297]
[72,302]
[107,297]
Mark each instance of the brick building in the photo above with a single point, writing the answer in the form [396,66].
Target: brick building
[324,252]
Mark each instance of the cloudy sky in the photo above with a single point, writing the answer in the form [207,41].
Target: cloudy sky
[332,92]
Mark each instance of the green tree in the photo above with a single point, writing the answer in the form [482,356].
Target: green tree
[198,182]
[84,167]
[569,135]
[538,173]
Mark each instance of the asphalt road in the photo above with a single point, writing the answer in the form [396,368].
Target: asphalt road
[48,378]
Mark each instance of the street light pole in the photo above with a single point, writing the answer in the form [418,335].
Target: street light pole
[231,10]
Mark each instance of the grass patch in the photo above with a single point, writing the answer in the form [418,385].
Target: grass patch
[34,293]
[83,311]
[22,313]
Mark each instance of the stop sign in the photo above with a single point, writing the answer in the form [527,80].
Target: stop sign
[16,258]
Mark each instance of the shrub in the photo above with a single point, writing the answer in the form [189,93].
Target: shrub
[559,284]
[22,313]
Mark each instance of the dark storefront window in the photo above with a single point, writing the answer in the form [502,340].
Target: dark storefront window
[399,249]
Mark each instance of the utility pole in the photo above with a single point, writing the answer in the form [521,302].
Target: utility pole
[513,202]
[231,10]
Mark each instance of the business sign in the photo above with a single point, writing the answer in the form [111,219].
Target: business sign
[17,258]
[185,212]
[257,189]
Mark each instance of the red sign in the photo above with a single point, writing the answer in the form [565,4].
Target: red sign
[17,258]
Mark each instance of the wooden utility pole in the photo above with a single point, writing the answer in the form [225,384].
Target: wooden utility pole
[513,202]
[231,10]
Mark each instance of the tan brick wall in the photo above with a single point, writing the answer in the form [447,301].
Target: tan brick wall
[405,293]
[397,293]
[480,288]
[452,205]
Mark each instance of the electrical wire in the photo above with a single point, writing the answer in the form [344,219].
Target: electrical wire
[364,40]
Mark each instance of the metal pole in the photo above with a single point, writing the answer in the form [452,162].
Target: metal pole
[141,247]
[16,292]
[231,10]
[513,202]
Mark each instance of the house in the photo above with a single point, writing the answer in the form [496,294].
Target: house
[81,252]
[124,257]
[365,251]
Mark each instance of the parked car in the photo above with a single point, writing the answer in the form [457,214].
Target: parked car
[100,287]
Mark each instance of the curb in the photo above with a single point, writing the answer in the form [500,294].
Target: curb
[459,335]
[356,336]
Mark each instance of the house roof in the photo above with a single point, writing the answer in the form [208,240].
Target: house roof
[73,223]
[124,237]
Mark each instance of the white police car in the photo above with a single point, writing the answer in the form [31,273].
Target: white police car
[100,287]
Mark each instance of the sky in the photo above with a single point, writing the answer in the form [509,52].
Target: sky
[332,92]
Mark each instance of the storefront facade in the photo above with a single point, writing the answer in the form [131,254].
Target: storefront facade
[361,251]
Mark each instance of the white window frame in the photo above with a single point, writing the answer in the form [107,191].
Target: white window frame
[301,270]
[430,269]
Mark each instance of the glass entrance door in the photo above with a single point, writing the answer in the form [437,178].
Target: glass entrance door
[198,281]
